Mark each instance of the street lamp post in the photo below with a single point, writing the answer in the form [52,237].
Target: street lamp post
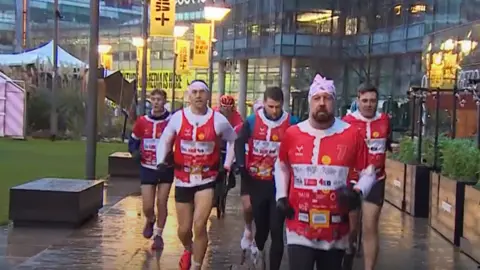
[178,31]
[91,130]
[144,58]
[214,12]
[53,104]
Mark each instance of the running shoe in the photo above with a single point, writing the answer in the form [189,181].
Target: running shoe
[186,260]
[157,242]
[148,229]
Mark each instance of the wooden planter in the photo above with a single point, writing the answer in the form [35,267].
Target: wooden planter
[417,190]
[394,183]
[470,242]
[447,207]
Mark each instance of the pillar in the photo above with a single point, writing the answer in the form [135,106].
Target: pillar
[221,78]
[286,69]
[22,17]
[242,93]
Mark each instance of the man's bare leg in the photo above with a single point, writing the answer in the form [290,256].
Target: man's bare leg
[163,191]
[203,207]
[370,220]
[185,219]
[148,202]
[247,238]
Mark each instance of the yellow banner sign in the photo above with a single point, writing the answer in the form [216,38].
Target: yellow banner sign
[140,61]
[201,45]
[162,79]
[162,18]
[106,61]
[183,56]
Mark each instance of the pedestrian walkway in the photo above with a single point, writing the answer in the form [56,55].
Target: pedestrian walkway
[114,241]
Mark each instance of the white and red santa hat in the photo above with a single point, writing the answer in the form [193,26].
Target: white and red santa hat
[321,85]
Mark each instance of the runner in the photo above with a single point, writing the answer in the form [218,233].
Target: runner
[263,131]
[317,158]
[195,131]
[146,132]
[375,128]
[227,107]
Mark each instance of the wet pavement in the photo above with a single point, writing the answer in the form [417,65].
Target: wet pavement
[113,241]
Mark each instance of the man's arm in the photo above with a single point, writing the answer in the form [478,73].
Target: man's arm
[229,135]
[135,137]
[282,170]
[242,139]
[164,145]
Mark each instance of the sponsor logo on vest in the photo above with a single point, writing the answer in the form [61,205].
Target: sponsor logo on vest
[375,134]
[326,160]
[201,136]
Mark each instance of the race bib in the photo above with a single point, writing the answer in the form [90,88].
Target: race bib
[319,218]
[376,146]
[150,144]
[196,148]
[196,174]
[319,177]
[265,148]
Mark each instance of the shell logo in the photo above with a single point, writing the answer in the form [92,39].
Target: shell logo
[326,160]
[375,134]
[201,136]
[274,138]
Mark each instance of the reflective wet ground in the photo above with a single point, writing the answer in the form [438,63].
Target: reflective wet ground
[114,241]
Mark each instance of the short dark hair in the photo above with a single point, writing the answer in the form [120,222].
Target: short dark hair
[274,93]
[160,92]
[365,88]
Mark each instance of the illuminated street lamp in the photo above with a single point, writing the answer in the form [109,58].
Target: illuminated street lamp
[104,48]
[178,31]
[214,12]
[137,42]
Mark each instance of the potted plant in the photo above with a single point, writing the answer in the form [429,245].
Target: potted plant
[459,168]
[395,169]
[469,242]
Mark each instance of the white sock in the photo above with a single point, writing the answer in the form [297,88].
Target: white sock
[157,231]
[196,266]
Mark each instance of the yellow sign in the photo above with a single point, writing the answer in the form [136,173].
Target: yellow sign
[201,45]
[326,160]
[162,79]
[162,18]
[183,56]
[140,61]
[106,60]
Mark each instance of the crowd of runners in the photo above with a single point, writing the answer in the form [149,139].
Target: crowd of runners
[312,179]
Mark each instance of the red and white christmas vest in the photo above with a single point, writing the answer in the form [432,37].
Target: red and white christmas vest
[321,161]
[197,153]
[149,131]
[376,132]
[264,143]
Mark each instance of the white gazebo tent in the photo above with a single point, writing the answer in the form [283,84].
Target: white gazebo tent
[42,55]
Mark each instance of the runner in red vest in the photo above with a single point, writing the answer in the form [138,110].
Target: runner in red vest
[142,145]
[262,132]
[318,158]
[375,128]
[196,133]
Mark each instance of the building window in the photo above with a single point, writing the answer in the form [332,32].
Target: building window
[351,26]
[315,22]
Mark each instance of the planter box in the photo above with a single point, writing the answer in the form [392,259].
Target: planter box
[470,242]
[52,202]
[417,190]
[121,164]
[447,207]
[394,190]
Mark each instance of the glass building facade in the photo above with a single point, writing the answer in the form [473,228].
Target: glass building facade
[348,41]
[263,43]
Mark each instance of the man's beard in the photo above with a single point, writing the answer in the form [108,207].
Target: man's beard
[322,116]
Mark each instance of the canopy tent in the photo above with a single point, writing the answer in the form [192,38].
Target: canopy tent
[42,54]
